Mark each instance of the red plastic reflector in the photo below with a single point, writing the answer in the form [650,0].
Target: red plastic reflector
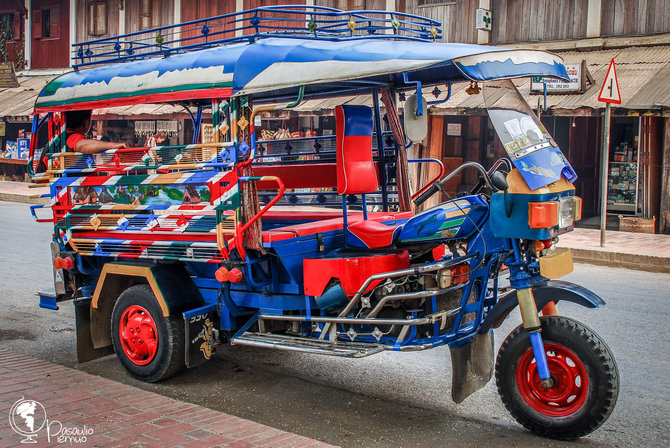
[542,215]
[459,274]
[235,275]
[221,275]
[68,263]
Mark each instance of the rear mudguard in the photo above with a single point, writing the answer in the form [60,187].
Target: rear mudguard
[544,292]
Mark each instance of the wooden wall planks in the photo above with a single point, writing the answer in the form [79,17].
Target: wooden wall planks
[635,17]
[536,20]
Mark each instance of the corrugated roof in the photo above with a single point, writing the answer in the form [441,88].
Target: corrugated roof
[19,101]
[643,74]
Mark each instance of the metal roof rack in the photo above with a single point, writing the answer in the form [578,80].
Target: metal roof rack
[292,21]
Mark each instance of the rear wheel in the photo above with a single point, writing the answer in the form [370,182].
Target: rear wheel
[584,374]
[149,345]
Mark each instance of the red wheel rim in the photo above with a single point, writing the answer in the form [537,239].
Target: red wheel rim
[571,384]
[138,335]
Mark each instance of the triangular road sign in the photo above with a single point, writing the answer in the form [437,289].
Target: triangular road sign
[610,93]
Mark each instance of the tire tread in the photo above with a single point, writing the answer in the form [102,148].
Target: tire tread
[605,358]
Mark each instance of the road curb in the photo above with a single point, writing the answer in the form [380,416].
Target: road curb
[620,260]
[12,197]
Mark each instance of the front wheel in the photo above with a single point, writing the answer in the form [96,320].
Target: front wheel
[584,373]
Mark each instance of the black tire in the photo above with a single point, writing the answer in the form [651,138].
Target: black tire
[164,356]
[551,412]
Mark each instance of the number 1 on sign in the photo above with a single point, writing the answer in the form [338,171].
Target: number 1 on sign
[609,93]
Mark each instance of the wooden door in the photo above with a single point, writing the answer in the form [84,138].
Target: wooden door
[584,156]
[50,34]
[580,140]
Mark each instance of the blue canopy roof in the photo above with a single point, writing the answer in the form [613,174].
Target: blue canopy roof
[270,66]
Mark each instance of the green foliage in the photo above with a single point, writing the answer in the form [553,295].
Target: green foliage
[174,193]
[7,37]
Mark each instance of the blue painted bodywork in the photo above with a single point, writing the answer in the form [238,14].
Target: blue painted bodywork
[459,218]
[516,224]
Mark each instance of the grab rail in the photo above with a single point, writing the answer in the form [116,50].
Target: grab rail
[435,179]
[296,21]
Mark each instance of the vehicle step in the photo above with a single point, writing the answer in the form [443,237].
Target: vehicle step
[48,299]
[282,342]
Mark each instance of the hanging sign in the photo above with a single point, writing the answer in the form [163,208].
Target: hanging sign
[577,83]
[609,93]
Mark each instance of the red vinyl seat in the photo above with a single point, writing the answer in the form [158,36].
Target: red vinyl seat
[357,174]
[371,234]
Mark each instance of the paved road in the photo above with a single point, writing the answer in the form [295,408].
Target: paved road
[390,399]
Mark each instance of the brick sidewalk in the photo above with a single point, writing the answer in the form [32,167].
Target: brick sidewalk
[641,251]
[119,415]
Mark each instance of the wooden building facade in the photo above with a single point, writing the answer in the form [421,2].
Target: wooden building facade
[48,27]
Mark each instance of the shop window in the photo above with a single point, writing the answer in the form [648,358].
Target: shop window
[97,18]
[7,27]
[46,23]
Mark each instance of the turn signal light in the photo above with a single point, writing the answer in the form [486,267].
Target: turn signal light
[542,215]
[578,208]
[58,263]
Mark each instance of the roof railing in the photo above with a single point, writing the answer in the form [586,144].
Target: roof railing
[294,21]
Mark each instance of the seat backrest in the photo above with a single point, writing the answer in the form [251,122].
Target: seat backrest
[356,172]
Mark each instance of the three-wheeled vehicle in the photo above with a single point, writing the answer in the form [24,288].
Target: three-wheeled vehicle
[170,251]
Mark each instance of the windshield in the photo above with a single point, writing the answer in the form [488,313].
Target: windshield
[525,139]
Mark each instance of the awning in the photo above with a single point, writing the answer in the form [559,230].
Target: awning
[643,74]
[17,103]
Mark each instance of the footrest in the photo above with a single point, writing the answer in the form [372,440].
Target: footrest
[339,348]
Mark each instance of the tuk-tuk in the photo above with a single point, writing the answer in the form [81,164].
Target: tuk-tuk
[318,243]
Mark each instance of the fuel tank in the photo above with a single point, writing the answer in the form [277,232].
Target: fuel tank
[454,219]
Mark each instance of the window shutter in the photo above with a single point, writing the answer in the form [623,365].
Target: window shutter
[55,23]
[37,24]
[17,26]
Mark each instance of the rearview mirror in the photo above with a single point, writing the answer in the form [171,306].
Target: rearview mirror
[499,181]
[416,126]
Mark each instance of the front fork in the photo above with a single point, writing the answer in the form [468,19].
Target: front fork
[520,280]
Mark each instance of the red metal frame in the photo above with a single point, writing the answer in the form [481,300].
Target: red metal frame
[438,177]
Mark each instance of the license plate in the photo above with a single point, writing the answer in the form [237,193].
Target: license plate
[556,266]
[200,338]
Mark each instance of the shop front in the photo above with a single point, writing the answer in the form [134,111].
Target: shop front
[638,169]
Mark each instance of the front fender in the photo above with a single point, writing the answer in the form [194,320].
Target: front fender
[544,292]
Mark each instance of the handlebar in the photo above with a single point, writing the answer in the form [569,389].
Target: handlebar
[497,164]
[439,185]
